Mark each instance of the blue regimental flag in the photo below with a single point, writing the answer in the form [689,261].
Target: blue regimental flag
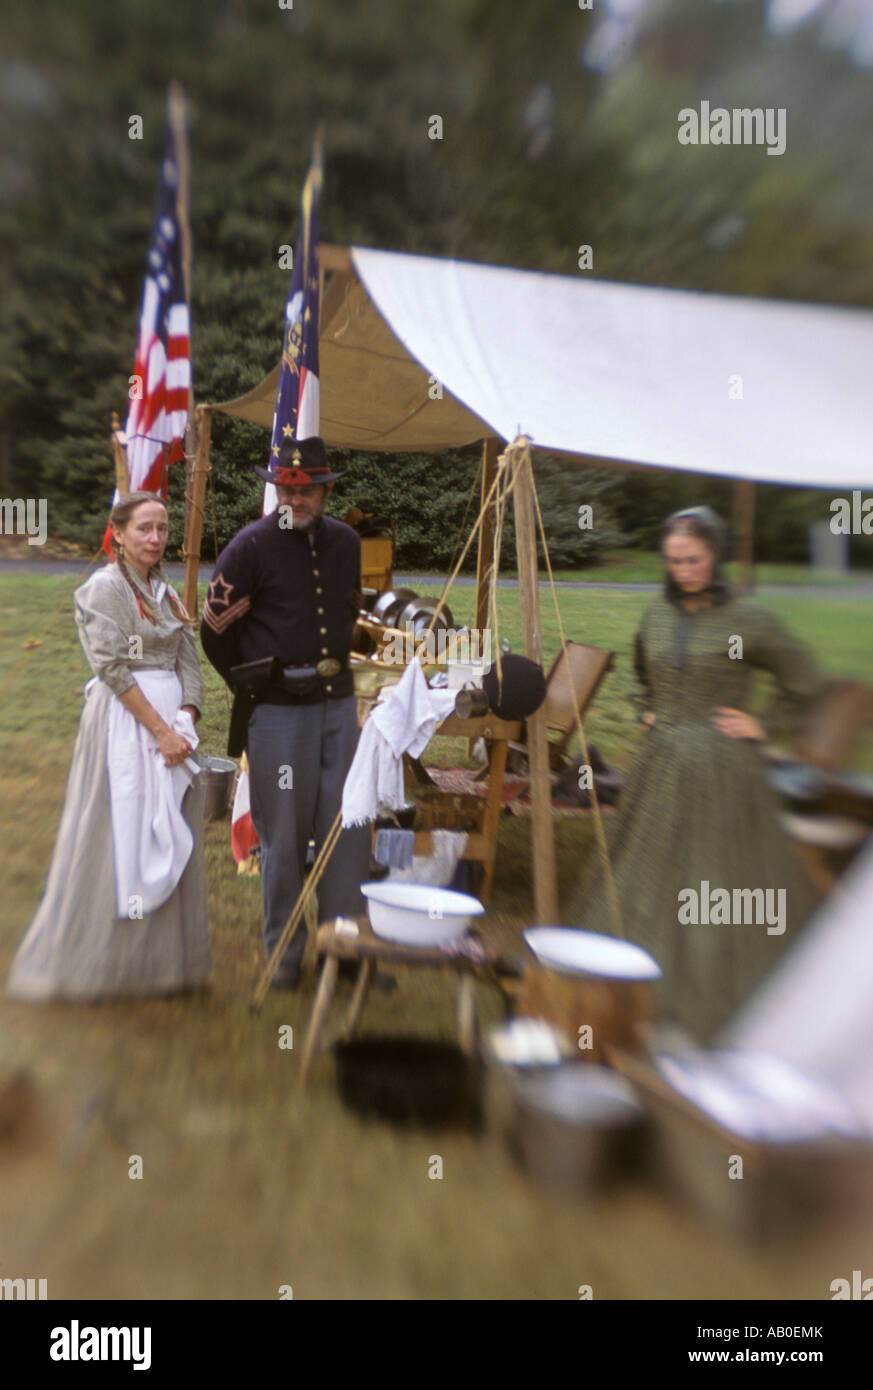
[297,413]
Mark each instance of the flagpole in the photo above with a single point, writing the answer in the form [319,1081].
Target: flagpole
[195,485]
[295,397]
[122,482]
[176,115]
[198,502]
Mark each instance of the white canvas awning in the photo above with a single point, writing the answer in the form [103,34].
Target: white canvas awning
[746,388]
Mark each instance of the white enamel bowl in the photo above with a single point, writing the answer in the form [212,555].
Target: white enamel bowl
[413,914]
[574,952]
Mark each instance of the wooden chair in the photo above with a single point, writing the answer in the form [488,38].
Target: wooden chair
[829,837]
[835,725]
[581,668]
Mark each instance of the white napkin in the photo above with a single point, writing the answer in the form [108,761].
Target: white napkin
[374,780]
[407,713]
[403,721]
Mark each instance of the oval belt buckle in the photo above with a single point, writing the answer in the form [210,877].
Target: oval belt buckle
[328,666]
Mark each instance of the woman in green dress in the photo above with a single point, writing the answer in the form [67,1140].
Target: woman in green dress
[697,830]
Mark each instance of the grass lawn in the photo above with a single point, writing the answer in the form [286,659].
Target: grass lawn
[247,1185]
[646,567]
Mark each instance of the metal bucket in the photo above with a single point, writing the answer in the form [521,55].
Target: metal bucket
[579,1128]
[219,774]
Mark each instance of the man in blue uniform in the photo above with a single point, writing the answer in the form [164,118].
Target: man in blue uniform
[288,587]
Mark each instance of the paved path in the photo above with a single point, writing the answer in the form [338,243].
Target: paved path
[863,589]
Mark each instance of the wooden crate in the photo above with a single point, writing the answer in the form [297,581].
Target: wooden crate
[377,562]
[785,1188]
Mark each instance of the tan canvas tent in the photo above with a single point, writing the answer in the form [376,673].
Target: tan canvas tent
[425,354]
[745,388]
[418,353]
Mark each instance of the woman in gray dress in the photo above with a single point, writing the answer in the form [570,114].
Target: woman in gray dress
[81,945]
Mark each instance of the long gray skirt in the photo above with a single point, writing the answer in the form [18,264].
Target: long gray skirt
[76,946]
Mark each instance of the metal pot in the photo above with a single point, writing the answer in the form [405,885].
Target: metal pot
[418,614]
[389,604]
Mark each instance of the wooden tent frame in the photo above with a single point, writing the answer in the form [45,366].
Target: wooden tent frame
[337,259]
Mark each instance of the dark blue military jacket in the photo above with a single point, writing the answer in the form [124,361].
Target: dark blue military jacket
[288,593]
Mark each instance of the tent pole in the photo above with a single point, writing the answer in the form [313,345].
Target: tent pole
[744,533]
[542,828]
[486,533]
[119,455]
[196,501]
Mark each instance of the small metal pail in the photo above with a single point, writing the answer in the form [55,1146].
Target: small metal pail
[219,774]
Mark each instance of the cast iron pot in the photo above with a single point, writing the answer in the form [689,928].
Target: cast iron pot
[522,690]
[410,1081]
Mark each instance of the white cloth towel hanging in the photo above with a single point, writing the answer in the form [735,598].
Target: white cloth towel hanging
[151,839]
[403,721]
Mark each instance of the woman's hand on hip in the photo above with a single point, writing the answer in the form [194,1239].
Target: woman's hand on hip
[735,723]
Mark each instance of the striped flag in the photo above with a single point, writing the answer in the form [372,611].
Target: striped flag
[243,836]
[160,388]
[297,414]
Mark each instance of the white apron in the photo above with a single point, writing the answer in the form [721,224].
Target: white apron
[151,839]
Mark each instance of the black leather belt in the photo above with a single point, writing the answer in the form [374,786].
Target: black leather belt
[325,668]
[307,682]
[268,682]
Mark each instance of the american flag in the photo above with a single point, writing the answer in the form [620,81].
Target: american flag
[297,413]
[158,415]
